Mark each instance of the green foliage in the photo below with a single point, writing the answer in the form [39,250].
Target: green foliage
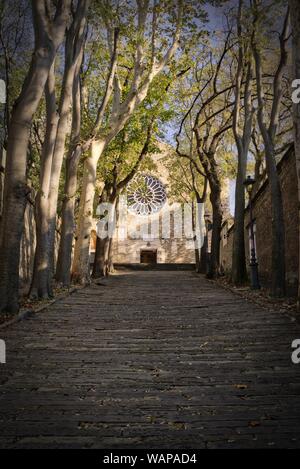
[124,151]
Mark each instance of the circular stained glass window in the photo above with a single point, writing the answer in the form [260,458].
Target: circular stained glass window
[145,195]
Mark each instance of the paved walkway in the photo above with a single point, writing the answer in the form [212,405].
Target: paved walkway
[151,359]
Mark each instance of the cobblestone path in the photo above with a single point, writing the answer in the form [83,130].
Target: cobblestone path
[151,359]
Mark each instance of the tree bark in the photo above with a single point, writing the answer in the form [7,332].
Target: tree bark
[110,263]
[295,24]
[239,272]
[41,286]
[194,227]
[217,215]
[81,264]
[2,172]
[200,254]
[73,53]
[42,276]
[63,268]
[242,138]
[101,267]
[47,40]
[203,262]
[81,261]
[102,244]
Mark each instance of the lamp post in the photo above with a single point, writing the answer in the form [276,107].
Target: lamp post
[248,183]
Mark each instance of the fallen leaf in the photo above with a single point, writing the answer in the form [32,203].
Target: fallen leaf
[240,386]
[178,425]
[254,423]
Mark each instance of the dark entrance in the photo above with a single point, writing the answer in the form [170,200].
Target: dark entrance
[149,256]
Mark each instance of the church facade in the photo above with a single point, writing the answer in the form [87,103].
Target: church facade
[151,229]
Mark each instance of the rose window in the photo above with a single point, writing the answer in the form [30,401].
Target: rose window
[145,195]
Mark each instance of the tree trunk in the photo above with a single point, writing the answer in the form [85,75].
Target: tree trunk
[239,272]
[217,214]
[295,23]
[110,264]
[15,193]
[81,265]
[101,267]
[196,238]
[197,260]
[16,190]
[63,268]
[203,257]
[47,41]
[202,254]
[64,260]
[2,172]
[41,286]
[242,134]
[59,151]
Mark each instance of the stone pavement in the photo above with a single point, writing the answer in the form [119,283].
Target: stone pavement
[153,359]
